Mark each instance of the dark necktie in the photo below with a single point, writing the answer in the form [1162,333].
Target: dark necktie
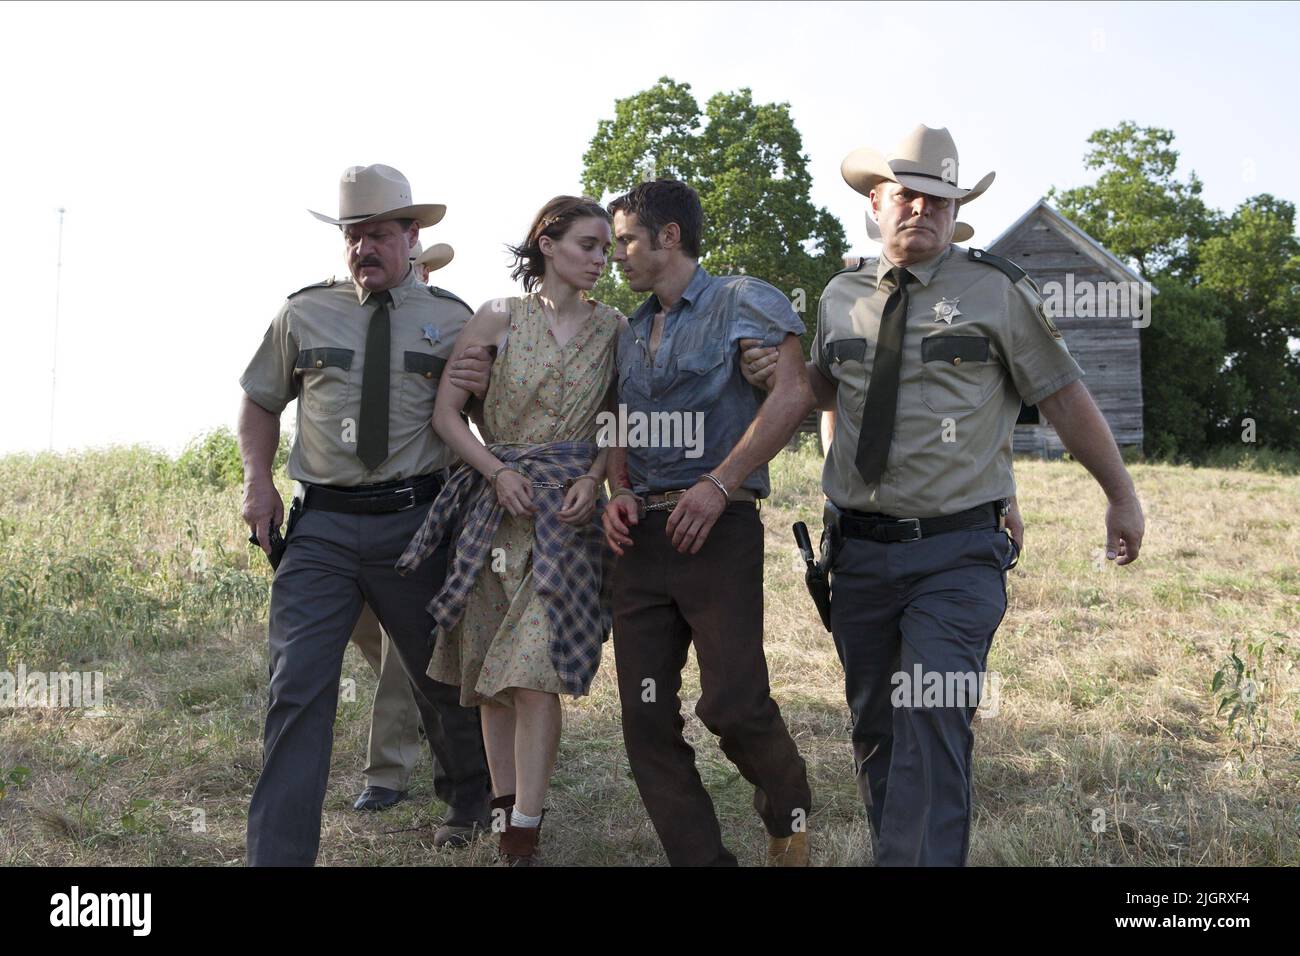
[372,440]
[882,393]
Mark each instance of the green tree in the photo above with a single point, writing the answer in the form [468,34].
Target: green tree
[653,133]
[1218,348]
[1137,208]
[1254,268]
[746,162]
[1183,392]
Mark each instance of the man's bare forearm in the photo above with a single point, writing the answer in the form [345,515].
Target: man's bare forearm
[790,402]
[598,467]
[259,437]
[1087,437]
[474,412]
[616,469]
[823,389]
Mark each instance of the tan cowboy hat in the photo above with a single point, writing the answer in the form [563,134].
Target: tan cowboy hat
[435,257]
[377,193]
[926,160]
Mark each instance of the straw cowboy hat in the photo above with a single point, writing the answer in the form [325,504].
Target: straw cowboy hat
[435,257]
[926,161]
[377,193]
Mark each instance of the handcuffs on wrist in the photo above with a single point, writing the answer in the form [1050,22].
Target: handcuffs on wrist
[492,479]
[642,507]
[558,485]
[726,495]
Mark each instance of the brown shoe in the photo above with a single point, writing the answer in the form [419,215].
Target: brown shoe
[519,846]
[788,851]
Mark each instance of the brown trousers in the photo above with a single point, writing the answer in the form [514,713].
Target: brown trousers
[664,601]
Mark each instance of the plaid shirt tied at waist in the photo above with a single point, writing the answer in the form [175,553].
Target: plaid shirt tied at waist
[571,564]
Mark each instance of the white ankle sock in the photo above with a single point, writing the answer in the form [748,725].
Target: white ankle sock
[517,819]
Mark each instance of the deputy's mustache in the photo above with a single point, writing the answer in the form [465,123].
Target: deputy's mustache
[368,262]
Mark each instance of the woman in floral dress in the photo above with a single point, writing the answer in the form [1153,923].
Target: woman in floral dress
[522,617]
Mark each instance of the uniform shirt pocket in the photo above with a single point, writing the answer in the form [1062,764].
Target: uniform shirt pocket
[847,360]
[701,376]
[326,378]
[957,372]
[421,373]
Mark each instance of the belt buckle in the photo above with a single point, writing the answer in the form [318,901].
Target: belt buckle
[409,491]
[915,525]
[672,497]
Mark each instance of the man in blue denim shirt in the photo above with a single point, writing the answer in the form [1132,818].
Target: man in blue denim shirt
[684,521]
[691,382]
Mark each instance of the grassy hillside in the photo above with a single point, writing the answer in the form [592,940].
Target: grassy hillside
[1110,742]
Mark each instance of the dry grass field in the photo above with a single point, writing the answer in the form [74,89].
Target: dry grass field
[1108,744]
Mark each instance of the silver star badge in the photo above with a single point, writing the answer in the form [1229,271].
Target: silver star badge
[946,310]
[432,334]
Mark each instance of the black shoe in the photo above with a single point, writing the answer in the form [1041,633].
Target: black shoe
[461,829]
[378,798]
[457,835]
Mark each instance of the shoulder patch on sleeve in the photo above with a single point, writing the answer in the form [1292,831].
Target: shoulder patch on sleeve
[444,294]
[1046,316]
[1005,266]
[1029,291]
[323,284]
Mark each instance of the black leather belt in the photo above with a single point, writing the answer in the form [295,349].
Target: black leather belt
[379,499]
[887,529]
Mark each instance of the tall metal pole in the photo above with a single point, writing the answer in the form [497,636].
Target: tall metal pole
[54,360]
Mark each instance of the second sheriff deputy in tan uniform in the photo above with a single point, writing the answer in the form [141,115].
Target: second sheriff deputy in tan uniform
[369,465]
[393,745]
[925,355]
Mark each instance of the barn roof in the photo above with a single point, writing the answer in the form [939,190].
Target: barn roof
[1089,246]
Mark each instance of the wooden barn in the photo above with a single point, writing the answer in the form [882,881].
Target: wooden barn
[1100,306]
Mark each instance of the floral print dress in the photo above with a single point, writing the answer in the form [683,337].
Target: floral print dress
[539,392]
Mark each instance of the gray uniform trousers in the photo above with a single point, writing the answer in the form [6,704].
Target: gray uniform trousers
[333,564]
[935,603]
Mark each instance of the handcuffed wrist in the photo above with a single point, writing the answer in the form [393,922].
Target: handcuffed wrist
[713,480]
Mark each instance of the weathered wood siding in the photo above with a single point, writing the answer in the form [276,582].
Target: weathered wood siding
[1106,348]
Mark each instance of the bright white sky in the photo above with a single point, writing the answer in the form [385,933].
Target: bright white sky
[187,141]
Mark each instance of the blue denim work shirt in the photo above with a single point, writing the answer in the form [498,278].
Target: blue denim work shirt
[696,374]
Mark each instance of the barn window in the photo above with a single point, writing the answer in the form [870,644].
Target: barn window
[1028,415]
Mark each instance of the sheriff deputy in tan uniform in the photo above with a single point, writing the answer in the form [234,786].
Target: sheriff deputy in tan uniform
[393,745]
[925,355]
[368,464]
